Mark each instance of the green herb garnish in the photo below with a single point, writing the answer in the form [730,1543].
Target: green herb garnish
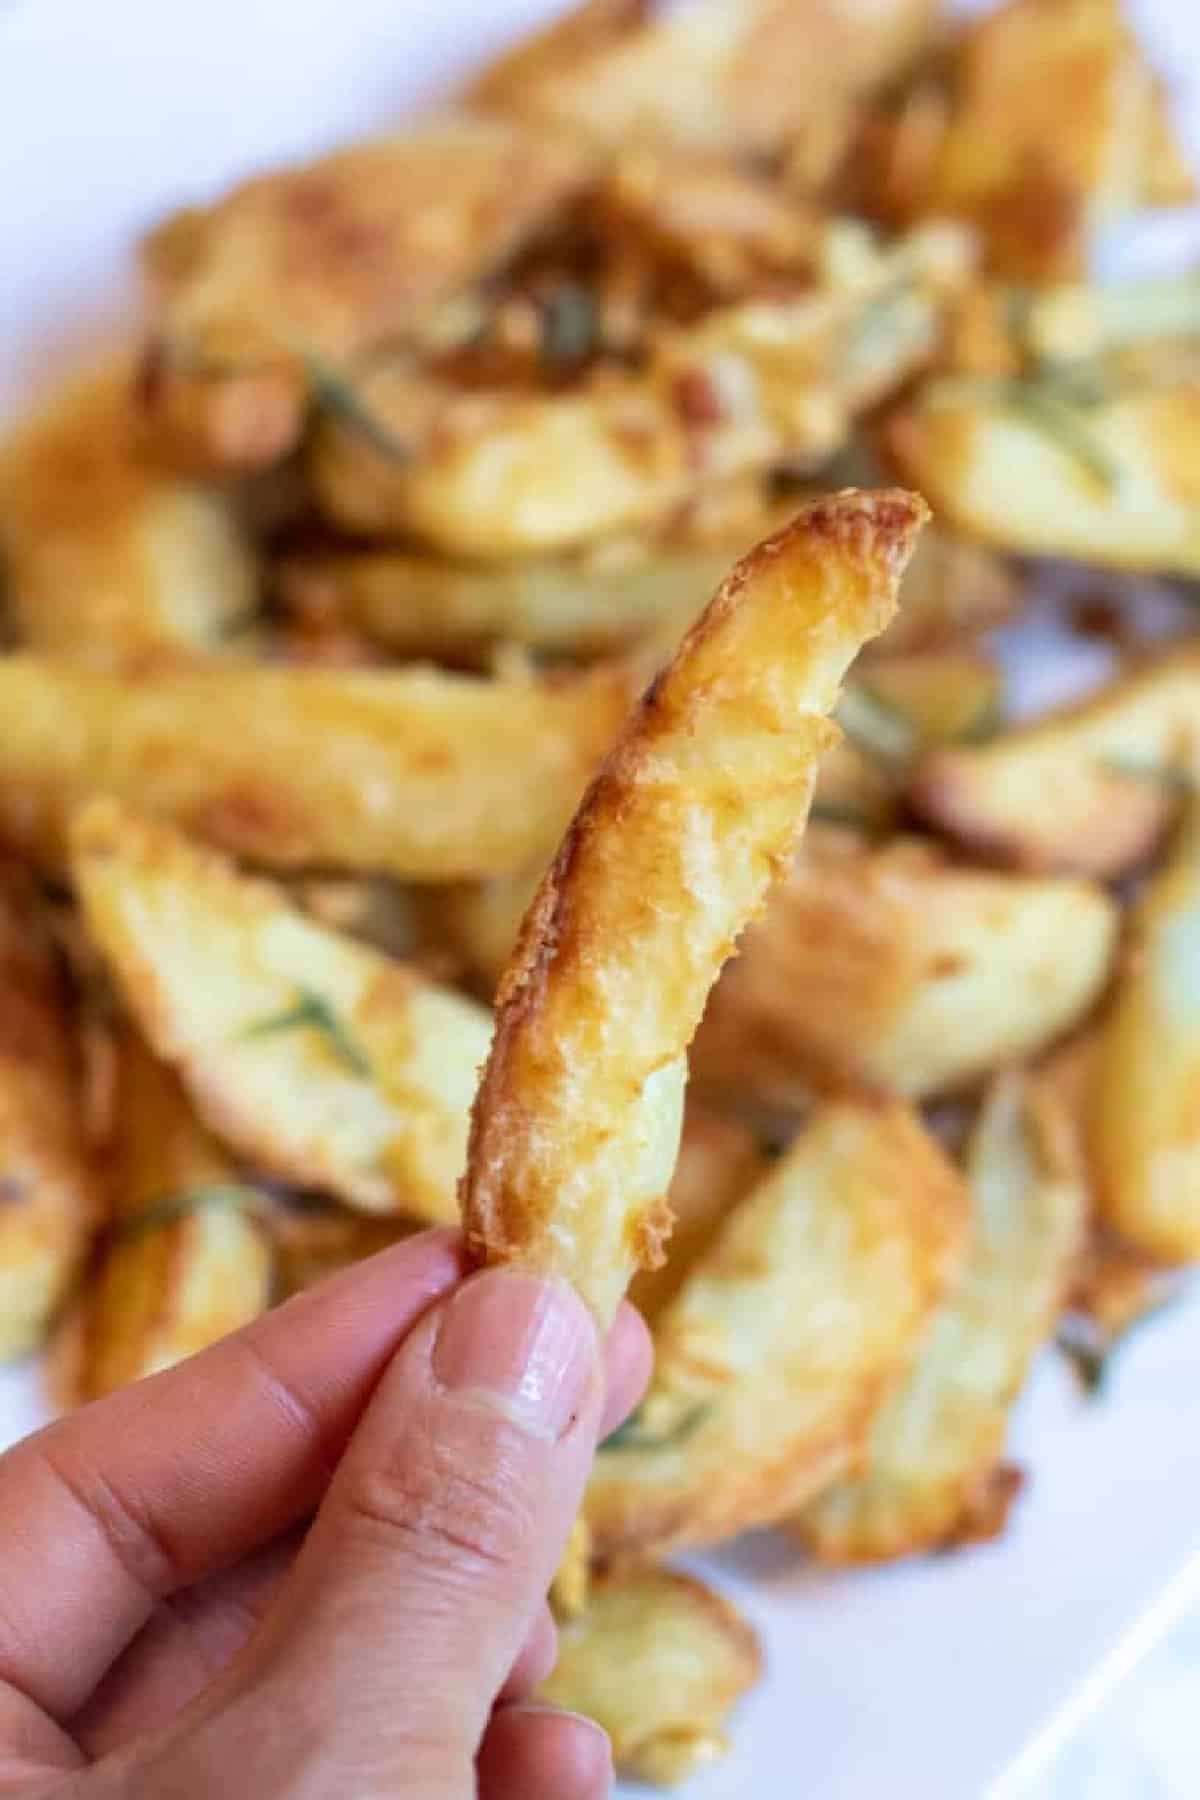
[876,726]
[337,396]
[1052,401]
[173,1207]
[312,1012]
[570,326]
[634,1435]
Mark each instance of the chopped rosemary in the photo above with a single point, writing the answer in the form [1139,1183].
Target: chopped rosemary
[312,1012]
[633,1435]
[173,1207]
[336,395]
[1052,402]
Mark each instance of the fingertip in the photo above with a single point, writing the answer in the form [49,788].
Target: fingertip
[628,1358]
[535,1752]
[536,1659]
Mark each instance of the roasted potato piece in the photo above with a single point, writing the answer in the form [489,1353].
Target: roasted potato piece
[49,1203]
[1145,1117]
[500,474]
[1116,1289]
[316,1057]
[410,772]
[114,559]
[576,1125]
[893,969]
[933,1473]
[803,1312]
[1089,788]
[659,1661]
[942,695]
[188,1259]
[314,265]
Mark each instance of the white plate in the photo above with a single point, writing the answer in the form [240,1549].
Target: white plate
[929,1679]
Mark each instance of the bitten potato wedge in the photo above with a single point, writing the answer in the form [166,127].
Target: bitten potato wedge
[659,1661]
[188,1258]
[317,1058]
[894,969]
[49,1198]
[500,474]
[1090,788]
[933,1472]
[413,772]
[791,1328]
[113,559]
[1145,1117]
[575,1128]
[312,266]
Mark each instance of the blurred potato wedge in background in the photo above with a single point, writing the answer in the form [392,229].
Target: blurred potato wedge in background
[933,1471]
[412,772]
[802,1313]
[112,558]
[1145,1114]
[576,1124]
[1090,788]
[314,1240]
[50,1200]
[317,1058]
[659,1661]
[188,1258]
[895,970]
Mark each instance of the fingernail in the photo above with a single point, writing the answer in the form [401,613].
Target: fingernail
[525,1346]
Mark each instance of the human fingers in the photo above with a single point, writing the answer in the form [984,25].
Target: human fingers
[533,1752]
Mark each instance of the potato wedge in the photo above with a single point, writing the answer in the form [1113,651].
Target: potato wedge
[801,1315]
[892,969]
[49,1198]
[500,474]
[934,1472]
[316,1057]
[1090,788]
[113,559]
[1144,1132]
[188,1258]
[411,772]
[313,265]
[659,1661]
[575,1128]
[1116,1289]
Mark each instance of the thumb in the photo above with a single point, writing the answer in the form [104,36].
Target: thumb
[433,1550]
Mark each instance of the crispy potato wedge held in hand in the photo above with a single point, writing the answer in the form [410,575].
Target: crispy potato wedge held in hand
[49,1200]
[1145,1119]
[317,1058]
[576,1125]
[112,558]
[895,970]
[1090,788]
[410,772]
[933,1472]
[659,1661]
[802,1314]
[311,266]
[188,1258]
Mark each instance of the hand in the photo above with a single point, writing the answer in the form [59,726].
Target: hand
[312,1561]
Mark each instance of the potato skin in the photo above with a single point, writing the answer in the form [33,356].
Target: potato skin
[696,809]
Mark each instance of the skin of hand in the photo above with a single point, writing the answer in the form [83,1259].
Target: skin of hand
[312,1561]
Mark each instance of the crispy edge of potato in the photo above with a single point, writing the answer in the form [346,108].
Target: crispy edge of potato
[171,1285]
[1088,789]
[954,587]
[791,1328]
[896,970]
[322,1060]
[659,1661]
[575,1126]
[49,1193]
[1023,1152]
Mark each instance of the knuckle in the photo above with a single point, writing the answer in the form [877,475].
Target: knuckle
[135,1540]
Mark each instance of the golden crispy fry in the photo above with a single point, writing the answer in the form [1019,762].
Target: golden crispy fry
[48,1197]
[893,969]
[113,559]
[316,1057]
[1145,1116]
[410,772]
[314,265]
[659,1661]
[188,1260]
[501,474]
[802,1314]
[576,1125]
[933,1472]
[1090,788]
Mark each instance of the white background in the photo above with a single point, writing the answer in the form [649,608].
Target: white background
[928,1680]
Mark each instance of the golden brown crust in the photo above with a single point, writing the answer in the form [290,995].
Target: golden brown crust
[671,852]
